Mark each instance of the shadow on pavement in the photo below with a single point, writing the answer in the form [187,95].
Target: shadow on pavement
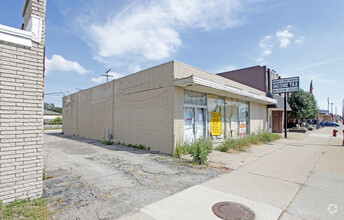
[115,147]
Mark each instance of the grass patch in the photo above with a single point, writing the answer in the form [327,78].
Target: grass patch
[25,209]
[241,144]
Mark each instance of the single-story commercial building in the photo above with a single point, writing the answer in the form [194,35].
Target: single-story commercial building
[50,116]
[260,77]
[165,105]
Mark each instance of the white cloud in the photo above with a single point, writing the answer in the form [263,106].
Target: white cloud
[57,62]
[266,45]
[102,79]
[320,63]
[300,39]
[149,30]
[284,36]
[260,60]
[224,69]
[320,80]
[134,68]
[98,79]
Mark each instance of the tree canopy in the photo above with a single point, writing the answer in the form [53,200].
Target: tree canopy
[51,107]
[303,105]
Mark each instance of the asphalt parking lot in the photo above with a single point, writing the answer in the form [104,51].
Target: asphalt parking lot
[88,180]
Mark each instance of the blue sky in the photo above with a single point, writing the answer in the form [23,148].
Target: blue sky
[294,38]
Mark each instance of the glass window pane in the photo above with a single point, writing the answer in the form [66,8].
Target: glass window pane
[243,118]
[216,112]
[231,118]
[197,98]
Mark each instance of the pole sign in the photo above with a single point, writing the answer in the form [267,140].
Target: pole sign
[285,85]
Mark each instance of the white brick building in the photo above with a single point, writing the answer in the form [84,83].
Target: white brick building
[21,104]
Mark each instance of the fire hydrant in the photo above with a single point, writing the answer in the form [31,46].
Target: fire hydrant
[343,138]
[335,132]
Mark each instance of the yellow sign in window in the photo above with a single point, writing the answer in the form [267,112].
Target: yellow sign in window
[216,126]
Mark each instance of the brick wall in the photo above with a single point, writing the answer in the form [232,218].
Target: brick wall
[136,109]
[21,115]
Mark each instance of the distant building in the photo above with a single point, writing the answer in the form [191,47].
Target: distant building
[260,77]
[21,104]
[324,115]
[50,116]
[166,105]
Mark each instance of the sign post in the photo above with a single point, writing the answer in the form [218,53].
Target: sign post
[285,86]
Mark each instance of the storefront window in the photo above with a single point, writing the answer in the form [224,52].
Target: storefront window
[232,128]
[216,117]
[196,98]
[244,120]
[195,113]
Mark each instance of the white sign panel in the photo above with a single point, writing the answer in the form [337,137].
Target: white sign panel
[285,85]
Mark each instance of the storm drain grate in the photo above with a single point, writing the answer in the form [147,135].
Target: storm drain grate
[233,211]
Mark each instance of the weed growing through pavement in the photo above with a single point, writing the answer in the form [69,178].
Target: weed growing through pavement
[106,141]
[181,149]
[241,144]
[137,146]
[199,150]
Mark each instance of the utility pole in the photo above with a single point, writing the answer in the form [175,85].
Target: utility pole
[331,111]
[335,111]
[343,111]
[107,75]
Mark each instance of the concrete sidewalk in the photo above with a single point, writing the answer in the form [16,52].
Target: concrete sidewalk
[301,177]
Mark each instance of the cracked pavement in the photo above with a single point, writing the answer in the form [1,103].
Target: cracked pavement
[88,180]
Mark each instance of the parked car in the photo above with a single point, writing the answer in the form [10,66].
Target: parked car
[312,121]
[328,123]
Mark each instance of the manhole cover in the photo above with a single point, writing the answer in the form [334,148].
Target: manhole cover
[233,211]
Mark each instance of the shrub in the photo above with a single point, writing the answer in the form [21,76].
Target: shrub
[181,150]
[200,150]
[56,121]
[106,142]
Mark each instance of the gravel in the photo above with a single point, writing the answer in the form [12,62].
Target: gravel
[88,180]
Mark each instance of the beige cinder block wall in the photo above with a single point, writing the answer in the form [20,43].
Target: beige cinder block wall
[258,117]
[21,107]
[136,109]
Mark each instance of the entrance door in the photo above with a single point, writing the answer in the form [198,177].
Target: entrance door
[194,123]
[276,121]
[200,123]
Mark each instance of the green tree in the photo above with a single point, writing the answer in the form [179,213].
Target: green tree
[303,105]
[52,107]
[57,109]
